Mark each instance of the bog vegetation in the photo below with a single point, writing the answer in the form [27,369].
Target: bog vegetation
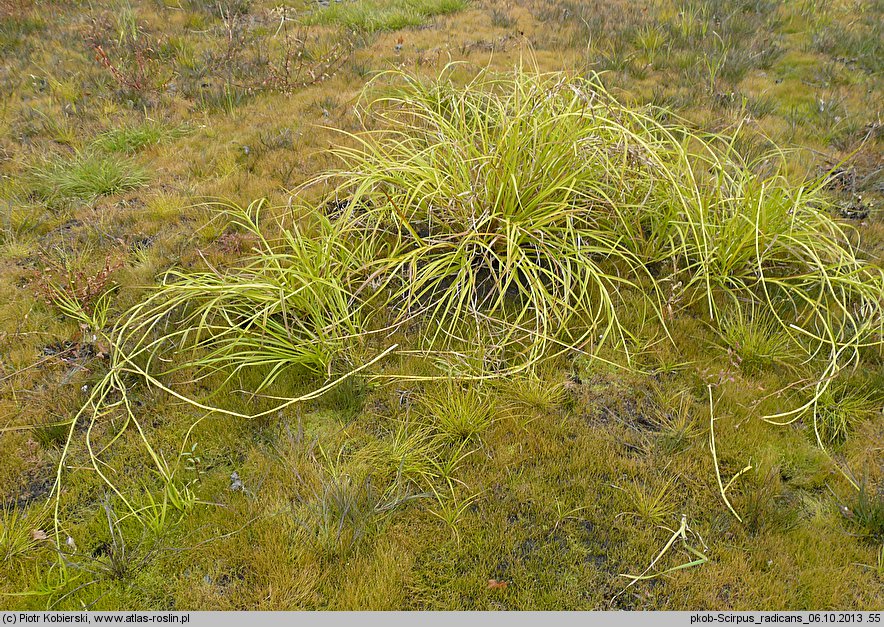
[490,331]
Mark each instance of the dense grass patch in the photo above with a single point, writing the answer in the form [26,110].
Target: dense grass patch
[131,139]
[86,176]
[279,310]
[14,30]
[497,225]
[611,202]
[371,16]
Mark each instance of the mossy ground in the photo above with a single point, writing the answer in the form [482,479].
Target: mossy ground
[580,477]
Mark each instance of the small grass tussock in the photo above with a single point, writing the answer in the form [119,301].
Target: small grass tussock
[115,558]
[534,393]
[279,309]
[867,511]
[343,514]
[20,225]
[840,407]
[459,413]
[761,499]
[86,176]
[20,532]
[372,16]
[15,30]
[651,504]
[404,457]
[346,500]
[160,512]
[131,139]
[757,341]
[676,418]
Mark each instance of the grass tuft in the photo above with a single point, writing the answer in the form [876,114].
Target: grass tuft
[342,515]
[459,413]
[653,505]
[840,408]
[372,16]
[20,533]
[469,233]
[131,139]
[867,511]
[86,176]
[757,340]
